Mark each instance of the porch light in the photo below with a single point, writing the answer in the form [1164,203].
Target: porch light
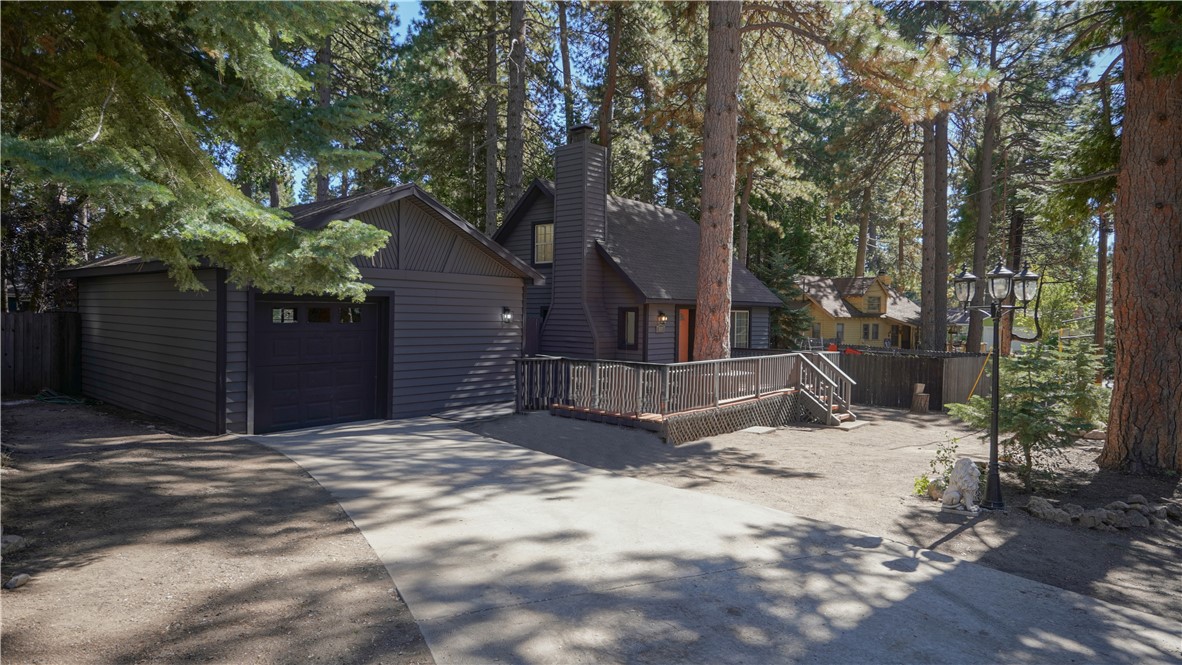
[1025,284]
[1000,281]
[662,319]
[506,315]
[964,285]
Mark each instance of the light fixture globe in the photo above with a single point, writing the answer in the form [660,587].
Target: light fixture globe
[964,286]
[1000,281]
[1025,284]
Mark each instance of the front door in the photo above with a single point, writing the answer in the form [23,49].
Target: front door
[685,334]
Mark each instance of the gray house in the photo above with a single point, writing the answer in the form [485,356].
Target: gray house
[438,331]
[620,275]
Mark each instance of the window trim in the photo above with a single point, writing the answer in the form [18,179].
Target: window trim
[622,328]
[747,342]
[534,244]
[877,308]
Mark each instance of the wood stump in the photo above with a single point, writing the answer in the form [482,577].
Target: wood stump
[919,403]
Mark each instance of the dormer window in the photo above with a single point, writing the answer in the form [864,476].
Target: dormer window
[543,243]
[874,303]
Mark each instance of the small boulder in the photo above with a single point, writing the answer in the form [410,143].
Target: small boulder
[1040,507]
[1158,523]
[1090,519]
[1137,519]
[16,581]
[1174,511]
[1135,498]
[1105,527]
[1120,519]
[1117,505]
[1073,509]
[936,489]
[1096,435]
[1160,512]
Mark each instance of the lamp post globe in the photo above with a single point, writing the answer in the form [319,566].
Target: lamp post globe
[964,285]
[1000,281]
[1025,284]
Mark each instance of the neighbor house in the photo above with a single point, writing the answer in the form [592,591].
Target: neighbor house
[439,330]
[862,311]
[620,275]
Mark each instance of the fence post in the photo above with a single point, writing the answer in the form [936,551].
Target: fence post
[666,374]
[595,385]
[639,389]
[758,376]
[717,382]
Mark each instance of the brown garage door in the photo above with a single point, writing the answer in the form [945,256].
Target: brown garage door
[315,363]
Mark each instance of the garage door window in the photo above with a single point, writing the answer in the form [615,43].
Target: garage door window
[283,315]
[319,315]
[350,315]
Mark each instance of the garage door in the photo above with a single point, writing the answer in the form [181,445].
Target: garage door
[315,363]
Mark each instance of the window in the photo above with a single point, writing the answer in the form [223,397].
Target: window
[874,331]
[873,303]
[350,315]
[543,243]
[319,315]
[840,332]
[740,328]
[865,331]
[816,331]
[629,316]
[283,315]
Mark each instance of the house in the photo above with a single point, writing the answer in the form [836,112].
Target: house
[863,311]
[620,275]
[438,331]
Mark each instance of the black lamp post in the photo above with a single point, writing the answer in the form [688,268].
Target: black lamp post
[1000,281]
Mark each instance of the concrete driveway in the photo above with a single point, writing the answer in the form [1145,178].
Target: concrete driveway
[505,554]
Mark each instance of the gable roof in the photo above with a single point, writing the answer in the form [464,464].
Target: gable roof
[655,249]
[318,214]
[830,294]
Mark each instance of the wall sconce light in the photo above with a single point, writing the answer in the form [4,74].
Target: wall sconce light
[662,319]
[506,316]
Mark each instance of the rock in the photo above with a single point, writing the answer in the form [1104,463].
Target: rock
[1117,505]
[1096,435]
[1119,519]
[1105,527]
[17,580]
[1174,511]
[1075,510]
[1158,523]
[1137,519]
[1160,512]
[11,543]
[1090,519]
[1142,508]
[936,489]
[1135,498]
[1040,507]
[1061,516]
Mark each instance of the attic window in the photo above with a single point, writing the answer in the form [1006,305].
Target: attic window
[543,243]
[874,303]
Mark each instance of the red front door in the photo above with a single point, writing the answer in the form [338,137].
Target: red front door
[685,334]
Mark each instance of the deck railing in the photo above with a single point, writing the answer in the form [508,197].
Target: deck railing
[632,387]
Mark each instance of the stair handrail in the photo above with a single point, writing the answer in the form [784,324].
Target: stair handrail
[847,382]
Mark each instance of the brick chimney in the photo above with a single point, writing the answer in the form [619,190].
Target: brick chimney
[576,323]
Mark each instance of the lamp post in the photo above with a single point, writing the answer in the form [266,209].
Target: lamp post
[1000,282]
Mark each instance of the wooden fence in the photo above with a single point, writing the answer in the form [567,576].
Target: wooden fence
[41,351]
[887,379]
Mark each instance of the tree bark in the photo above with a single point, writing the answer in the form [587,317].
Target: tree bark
[940,278]
[720,142]
[863,231]
[1145,423]
[324,90]
[273,187]
[984,215]
[927,269]
[490,122]
[514,123]
[568,94]
[1014,261]
[609,85]
[744,208]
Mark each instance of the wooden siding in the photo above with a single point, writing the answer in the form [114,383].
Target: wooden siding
[577,324]
[760,328]
[662,345]
[237,333]
[148,347]
[41,351]
[614,294]
[521,243]
[448,346]
[853,328]
[418,241]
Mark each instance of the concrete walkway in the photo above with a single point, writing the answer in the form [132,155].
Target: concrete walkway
[505,554]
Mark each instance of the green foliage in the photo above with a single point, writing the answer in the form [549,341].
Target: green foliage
[1048,398]
[922,483]
[1157,23]
[945,458]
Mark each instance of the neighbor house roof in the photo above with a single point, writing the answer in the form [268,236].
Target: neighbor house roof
[831,293]
[318,214]
[656,250]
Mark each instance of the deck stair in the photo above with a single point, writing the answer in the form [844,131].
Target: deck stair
[825,390]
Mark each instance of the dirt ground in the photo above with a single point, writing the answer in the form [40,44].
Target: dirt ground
[864,478]
[146,543]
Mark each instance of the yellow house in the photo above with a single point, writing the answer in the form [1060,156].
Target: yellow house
[860,311]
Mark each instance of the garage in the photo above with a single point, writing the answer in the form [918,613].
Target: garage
[315,363]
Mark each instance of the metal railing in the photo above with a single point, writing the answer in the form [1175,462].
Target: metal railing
[632,387]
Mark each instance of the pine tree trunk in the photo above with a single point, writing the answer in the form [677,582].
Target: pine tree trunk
[609,83]
[514,124]
[568,93]
[490,122]
[1017,228]
[720,142]
[273,187]
[1145,423]
[1101,283]
[927,268]
[863,232]
[984,216]
[744,208]
[324,90]
[940,278]
[247,189]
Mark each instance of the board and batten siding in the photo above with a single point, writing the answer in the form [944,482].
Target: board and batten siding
[237,335]
[148,347]
[449,347]
[521,243]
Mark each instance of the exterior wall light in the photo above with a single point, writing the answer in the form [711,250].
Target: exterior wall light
[662,320]
[506,316]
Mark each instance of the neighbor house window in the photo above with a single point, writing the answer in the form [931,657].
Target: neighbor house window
[283,315]
[816,331]
[629,316]
[874,331]
[740,329]
[865,331]
[840,332]
[319,315]
[874,303]
[543,243]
